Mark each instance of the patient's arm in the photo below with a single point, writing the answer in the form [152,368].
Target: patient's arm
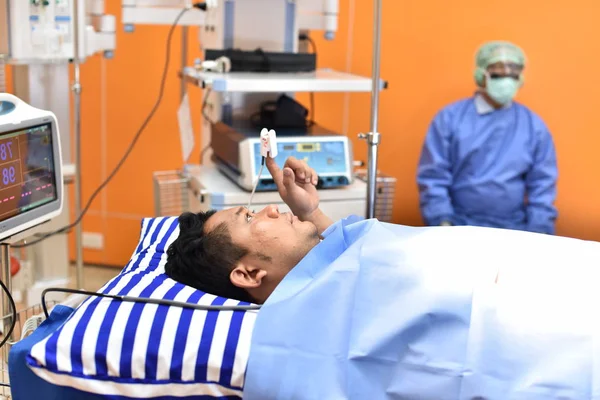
[296,184]
[317,217]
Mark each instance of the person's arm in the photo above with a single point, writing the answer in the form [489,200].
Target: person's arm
[317,217]
[296,185]
[541,186]
[434,174]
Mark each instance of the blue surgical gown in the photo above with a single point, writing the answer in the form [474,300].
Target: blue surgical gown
[494,168]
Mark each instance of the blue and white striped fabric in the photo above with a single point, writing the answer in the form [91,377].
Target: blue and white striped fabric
[135,350]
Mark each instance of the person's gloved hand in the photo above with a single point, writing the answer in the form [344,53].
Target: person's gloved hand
[296,185]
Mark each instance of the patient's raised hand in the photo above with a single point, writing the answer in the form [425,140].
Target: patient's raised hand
[296,184]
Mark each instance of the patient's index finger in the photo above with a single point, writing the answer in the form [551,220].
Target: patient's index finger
[274,170]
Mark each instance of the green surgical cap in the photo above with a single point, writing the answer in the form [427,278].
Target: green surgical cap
[499,51]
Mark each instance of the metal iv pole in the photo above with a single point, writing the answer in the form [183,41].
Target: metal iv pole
[184,45]
[373,136]
[77,125]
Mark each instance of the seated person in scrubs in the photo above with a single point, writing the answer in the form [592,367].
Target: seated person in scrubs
[487,160]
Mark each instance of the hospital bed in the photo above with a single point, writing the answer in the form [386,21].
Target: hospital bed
[405,324]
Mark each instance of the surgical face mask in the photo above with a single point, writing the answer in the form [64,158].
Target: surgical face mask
[502,89]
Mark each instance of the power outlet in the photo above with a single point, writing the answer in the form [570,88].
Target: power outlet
[92,240]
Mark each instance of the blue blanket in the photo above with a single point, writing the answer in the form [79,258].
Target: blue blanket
[380,311]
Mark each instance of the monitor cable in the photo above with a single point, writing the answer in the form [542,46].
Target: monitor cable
[146,300]
[7,335]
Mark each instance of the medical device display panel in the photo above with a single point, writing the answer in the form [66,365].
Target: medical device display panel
[329,157]
[27,176]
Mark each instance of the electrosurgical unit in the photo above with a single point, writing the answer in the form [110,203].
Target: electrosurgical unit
[237,152]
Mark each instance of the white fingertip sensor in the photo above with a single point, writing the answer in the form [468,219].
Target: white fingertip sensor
[272,143]
[268,143]
[268,148]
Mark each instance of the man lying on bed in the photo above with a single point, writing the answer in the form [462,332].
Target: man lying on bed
[383,311]
[240,254]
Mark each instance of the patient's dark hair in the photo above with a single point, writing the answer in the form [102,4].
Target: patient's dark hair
[205,260]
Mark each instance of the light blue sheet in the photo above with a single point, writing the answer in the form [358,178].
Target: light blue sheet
[380,311]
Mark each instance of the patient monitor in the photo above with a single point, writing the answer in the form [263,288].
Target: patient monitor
[31,184]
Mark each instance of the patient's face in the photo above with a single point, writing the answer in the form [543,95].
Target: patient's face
[281,240]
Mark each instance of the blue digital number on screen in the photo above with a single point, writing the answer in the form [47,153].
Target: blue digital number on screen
[6,151]
[8,175]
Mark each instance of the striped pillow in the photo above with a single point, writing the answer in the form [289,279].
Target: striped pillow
[138,351]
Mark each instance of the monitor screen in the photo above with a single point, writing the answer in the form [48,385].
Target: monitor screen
[27,176]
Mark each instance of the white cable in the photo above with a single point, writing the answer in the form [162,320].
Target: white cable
[268,148]
[256,183]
